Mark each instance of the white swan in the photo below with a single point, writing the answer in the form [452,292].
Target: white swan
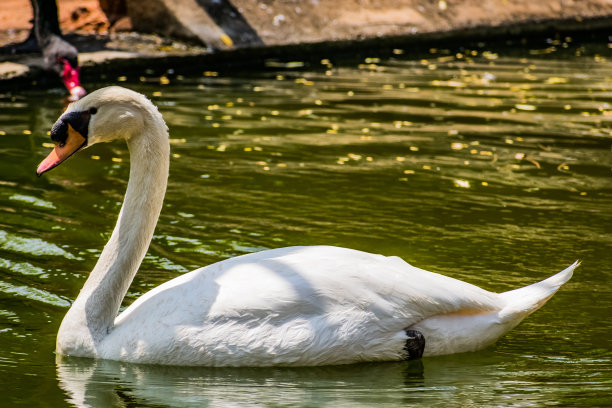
[290,306]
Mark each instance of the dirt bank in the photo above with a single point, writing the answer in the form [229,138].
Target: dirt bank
[328,25]
[280,22]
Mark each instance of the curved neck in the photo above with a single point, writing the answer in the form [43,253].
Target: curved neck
[93,313]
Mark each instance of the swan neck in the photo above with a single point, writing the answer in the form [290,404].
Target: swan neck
[94,311]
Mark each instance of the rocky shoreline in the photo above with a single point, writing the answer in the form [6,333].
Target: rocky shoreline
[106,52]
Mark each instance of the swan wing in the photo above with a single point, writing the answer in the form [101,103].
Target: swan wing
[309,280]
[294,305]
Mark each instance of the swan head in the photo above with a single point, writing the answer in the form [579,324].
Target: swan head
[102,116]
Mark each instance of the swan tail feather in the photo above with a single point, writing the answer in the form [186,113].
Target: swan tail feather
[528,299]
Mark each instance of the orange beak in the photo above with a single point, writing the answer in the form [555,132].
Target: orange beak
[74,142]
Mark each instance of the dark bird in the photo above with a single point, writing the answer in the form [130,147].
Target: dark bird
[59,55]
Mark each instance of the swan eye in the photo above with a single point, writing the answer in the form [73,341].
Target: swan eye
[93,110]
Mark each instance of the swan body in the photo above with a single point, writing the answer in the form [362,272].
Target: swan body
[290,306]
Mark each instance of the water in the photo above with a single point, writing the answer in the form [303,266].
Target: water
[493,167]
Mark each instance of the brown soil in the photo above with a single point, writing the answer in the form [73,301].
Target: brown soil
[284,22]
[82,16]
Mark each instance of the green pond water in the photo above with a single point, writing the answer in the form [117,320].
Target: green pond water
[493,167]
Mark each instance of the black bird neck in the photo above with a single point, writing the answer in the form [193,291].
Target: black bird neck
[46,23]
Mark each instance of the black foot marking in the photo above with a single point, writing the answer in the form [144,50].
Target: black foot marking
[415,345]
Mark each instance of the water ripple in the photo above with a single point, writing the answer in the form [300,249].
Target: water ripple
[31,246]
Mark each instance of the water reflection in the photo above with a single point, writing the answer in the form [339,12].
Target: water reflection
[473,379]
[91,383]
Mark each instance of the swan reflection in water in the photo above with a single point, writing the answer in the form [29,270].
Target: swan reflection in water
[105,383]
[469,379]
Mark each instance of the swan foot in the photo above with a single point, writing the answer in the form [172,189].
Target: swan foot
[415,345]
